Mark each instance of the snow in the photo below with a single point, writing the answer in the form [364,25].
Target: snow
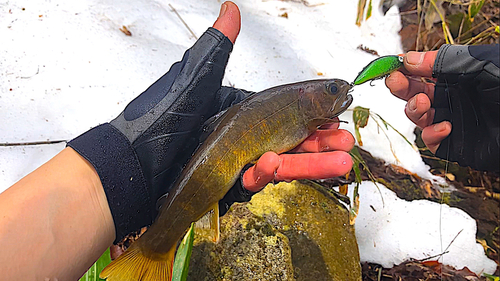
[408,230]
[66,67]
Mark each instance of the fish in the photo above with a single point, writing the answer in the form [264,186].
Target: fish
[378,69]
[277,119]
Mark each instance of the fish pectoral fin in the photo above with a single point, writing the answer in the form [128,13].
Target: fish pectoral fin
[211,125]
[209,226]
[133,265]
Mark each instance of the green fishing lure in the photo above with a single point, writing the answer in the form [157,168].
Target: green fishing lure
[378,68]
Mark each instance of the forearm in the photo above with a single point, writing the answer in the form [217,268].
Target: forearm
[55,222]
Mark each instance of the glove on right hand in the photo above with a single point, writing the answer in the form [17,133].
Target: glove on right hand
[467,95]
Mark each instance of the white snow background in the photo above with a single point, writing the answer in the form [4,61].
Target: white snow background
[65,67]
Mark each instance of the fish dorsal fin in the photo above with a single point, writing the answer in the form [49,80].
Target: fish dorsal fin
[211,125]
[208,226]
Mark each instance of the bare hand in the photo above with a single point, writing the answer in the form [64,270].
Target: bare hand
[420,95]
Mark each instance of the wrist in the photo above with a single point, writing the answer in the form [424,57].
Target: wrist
[94,191]
[112,156]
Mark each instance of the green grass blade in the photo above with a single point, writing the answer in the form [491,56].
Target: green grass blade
[358,159]
[369,11]
[93,273]
[354,207]
[474,8]
[361,11]
[387,125]
[491,277]
[181,263]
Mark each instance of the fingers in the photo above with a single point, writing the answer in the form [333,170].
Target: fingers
[433,135]
[260,174]
[405,87]
[327,140]
[313,165]
[316,164]
[419,111]
[229,21]
[287,167]
[420,63]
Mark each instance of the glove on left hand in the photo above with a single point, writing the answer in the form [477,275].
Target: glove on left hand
[139,155]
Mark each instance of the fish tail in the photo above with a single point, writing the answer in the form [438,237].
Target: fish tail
[133,265]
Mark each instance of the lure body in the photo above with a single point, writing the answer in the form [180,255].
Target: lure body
[379,68]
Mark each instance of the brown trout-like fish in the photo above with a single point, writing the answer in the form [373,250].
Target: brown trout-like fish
[277,119]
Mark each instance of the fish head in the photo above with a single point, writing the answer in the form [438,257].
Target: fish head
[323,100]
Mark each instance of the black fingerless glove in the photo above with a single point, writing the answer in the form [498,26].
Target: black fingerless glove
[140,154]
[237,193]
[467,95]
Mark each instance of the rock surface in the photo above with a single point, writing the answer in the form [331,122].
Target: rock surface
[289,231]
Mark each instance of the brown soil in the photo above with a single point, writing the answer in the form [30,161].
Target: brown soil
[462,29]
[477,193]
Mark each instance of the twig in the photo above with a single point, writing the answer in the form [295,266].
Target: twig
[472,29]
[453,240]
[185,24]
[431,257]
[482,34]
[420,11]
[446,30]
[408,12]
[32,143]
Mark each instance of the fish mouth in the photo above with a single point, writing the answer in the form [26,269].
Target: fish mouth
[344,106]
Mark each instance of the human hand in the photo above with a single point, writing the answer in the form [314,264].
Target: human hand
[408,85]
[322,155]
[139,154]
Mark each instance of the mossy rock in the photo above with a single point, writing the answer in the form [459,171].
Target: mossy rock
[289,231]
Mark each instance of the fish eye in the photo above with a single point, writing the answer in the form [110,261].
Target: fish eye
[333,89]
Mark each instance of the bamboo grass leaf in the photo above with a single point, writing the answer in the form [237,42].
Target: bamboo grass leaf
[360,117]
[474,8]
[93,273]
[181,263]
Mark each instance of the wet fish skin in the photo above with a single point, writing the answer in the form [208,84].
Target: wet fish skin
[277,119]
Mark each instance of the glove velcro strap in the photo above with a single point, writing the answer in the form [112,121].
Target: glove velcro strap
[121,176]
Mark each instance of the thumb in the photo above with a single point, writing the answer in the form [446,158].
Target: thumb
[420,63]
[229,21]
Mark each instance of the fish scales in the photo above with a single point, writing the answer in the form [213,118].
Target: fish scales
[277,119]
[231,146]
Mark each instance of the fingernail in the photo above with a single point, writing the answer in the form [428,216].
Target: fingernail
[415,58]
[223,9]
[412,104]
[440,127]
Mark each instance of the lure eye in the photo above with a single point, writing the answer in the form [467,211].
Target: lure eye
[333,89]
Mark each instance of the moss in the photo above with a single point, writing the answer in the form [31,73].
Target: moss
[322,241]
[404,188]
[289,231]
[249,249]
